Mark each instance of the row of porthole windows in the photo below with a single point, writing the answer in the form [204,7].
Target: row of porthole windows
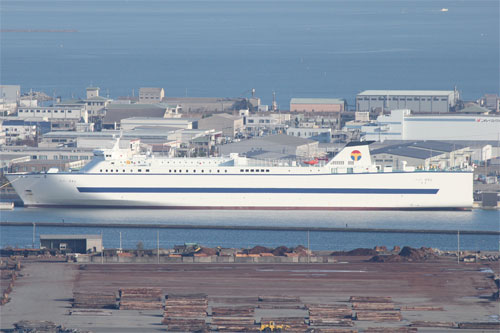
[116,170]
[254,170]
[170,171]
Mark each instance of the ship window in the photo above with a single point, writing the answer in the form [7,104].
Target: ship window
[187,170]
[175,170]
[139,170]
[147,170]
[256,170]
[241,170]
[225,171]
[218,170]
[194,171]
[246,170]
[123,170]
[251,170]
[116,170]
[267,170]
[169,170]
[202,170]
[100,170]
[106,170]
[261,170]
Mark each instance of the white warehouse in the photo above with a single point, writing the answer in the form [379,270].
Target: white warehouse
[403,125]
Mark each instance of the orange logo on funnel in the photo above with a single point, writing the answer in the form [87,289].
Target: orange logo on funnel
[355,155]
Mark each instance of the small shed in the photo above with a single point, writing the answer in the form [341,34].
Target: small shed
[72,243]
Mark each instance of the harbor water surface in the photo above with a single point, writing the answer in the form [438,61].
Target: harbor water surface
[475,220]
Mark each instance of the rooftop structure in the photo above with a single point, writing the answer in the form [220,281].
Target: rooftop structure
[317,105]
[418,101]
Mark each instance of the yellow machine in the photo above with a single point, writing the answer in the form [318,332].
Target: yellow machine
[272,327]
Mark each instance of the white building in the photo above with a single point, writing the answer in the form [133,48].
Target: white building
[151,95]
[228,124]
[403,125]
[133,122]
[323,135]
[54,113]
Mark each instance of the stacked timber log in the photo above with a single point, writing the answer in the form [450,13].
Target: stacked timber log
[379,316]
[480,326]
[375,308]
[233,319]
[370,299]
[443,324]
[291,324]
[186,313]
[332,330]
[421,308]
[141,299]
[329,315]
[390,330]
[94,300]
[279,299]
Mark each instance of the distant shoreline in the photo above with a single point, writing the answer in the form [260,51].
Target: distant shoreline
[38,30]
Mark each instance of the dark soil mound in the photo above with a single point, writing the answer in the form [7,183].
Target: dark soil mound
[356,252]
[423,253]
[387,258]
[280,251]
[258,250]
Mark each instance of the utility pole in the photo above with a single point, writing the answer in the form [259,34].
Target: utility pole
[308,248]
[34,234]
[121,241]
[102,251]
[458,246]
[158,245]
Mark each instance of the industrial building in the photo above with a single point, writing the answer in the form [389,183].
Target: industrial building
[317,105]
[151,95]
[228,124]
[323,135]
[72,243]
[273,146]
[404,125]
[116,112]
[418,101]
[54,113]
[213,104]
[423,154]
[131,123]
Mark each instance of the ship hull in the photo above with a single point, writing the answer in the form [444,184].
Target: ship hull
[394,190]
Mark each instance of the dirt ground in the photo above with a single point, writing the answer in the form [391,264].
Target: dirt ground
[45,290]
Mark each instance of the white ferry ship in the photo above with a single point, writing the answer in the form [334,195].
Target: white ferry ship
[114,178]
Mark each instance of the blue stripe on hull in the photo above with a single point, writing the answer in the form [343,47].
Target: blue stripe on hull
[256,190]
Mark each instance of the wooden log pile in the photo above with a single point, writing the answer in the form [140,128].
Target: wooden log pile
[373,306]
[94,300]
[90,312]
[141,299]
[480,326]
[390,330]
[292,324]
[334,330]
[234,319]
[185,313]
[329,315]
[421,308]
[445,324]
[378,316]
[279,299]
[370,299]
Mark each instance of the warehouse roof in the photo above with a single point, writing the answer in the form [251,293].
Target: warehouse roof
[406,92]
[317,101]
[284,139]
[438,146]
[52,236]
[407,152]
